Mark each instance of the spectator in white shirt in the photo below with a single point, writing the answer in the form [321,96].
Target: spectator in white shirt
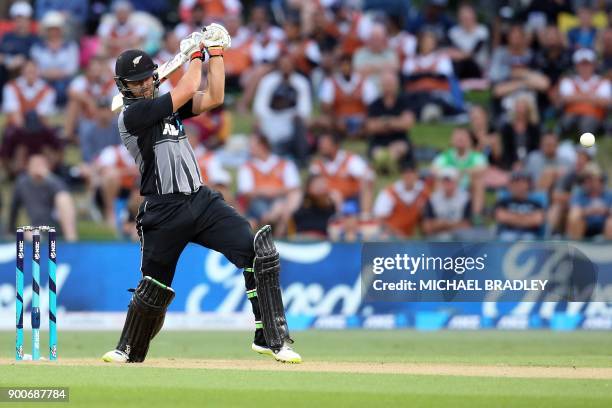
[121,31]
[282,107]
[57,58]
[586,96]
[469,40]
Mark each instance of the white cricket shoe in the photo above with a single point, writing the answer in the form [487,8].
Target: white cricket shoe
[285,355]
[115,356]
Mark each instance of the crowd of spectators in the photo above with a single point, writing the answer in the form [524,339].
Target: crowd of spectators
[337,91]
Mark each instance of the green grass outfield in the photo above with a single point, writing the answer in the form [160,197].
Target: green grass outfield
[341,368]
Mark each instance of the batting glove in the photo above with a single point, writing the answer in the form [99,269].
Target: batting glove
[192,45]
[216,39]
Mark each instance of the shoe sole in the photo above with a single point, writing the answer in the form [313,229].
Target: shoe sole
[267,352]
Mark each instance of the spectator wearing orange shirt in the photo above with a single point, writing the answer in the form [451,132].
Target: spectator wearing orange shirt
[270,185]
[345,172]
[400,205]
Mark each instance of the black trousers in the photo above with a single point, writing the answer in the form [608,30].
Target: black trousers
[167,223]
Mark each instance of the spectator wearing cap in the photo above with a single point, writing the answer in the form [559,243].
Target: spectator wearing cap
[57,58]
[518,215]
[121,31]
[512,74]
[269,185]
[344,98]
[565,186]
[471,165]
[590,205]
[376,56]
[584,35]
[28,103]
[74,10]
[586,96]
[448,210]
[346,173]
[545,165]
[283,107]
[469,40]
[15,44]
[399,206]
[388,122]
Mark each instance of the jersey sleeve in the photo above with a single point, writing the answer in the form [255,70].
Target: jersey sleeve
[186,111]
[145,113]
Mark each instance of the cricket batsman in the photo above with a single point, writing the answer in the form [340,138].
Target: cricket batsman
[178,208]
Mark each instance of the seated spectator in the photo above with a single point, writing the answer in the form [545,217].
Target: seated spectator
[428,81]
[376,57]
[57,58]
[117,174]
[346,173]
[387,125]
[448,210]
[470,164]
[15,45]
[470,40]
[265,49]
[566,185]
[28,103]
[399,206]
[512,74]
[585,97]
[590,205]
[89,120]
[344,97]
[553,58]
[520,135]
[45,198]
[270,185]
[518,215]
[213,126]
[317,207]
[584,35]
[212,172]
[544,165]
[121,31]
[282,107]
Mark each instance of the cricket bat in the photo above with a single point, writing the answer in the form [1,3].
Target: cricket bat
[163,72]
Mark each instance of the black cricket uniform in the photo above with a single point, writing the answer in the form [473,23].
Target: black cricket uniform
[177,207]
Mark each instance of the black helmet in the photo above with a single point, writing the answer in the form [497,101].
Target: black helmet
[133,65]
